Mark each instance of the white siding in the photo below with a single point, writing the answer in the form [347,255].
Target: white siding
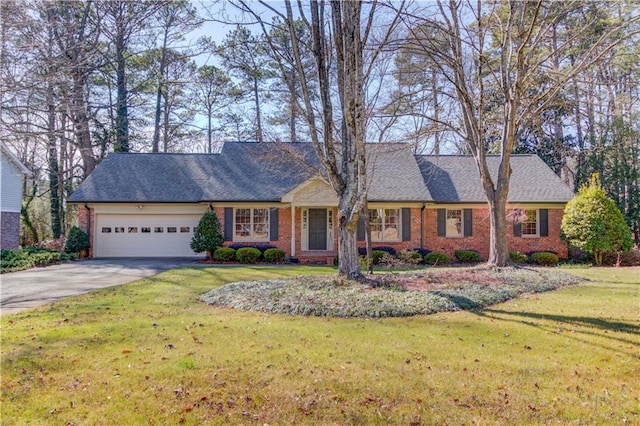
[11,183]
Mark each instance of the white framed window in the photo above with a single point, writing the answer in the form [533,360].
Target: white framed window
[454,226]
[530,224]
[384,224]
[251,225]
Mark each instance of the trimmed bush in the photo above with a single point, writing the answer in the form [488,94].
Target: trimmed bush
[376,256]
[248,255]
[77,241]
[224,254]
[410,256]
[261,247]
[467,256]
[436,258]
[274,255]
[544,258]
[517,257]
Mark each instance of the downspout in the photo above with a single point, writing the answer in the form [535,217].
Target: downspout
[89,229]
[424,205]
[293,230]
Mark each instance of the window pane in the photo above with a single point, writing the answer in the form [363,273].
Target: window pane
[146,230]
[119,230]
[184,229]
[172,229]
[375,223]
[158,229]
[454,223]
[106,230]
[529,226]
[243,223]
[133,230]
[261,224]
[391,224]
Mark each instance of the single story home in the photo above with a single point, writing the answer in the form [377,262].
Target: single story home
[11,179]
[147,205]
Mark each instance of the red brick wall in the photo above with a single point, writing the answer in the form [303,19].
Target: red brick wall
[479,240]
[403,245]
[284,230]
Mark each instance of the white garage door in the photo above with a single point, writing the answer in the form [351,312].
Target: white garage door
[123,235]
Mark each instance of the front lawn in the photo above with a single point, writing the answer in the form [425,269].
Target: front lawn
[150,352]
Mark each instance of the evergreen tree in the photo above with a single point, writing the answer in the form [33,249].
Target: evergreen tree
[207,236]
[593,223]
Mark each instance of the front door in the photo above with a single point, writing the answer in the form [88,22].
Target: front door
[317,229]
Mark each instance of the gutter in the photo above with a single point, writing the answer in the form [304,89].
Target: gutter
[424,205]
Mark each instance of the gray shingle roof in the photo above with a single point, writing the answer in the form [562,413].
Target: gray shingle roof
[266,172]
[455,178]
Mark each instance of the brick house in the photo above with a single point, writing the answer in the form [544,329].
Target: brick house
[12,174]
[148,204]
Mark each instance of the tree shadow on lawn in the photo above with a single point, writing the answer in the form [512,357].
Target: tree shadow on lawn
[607,328]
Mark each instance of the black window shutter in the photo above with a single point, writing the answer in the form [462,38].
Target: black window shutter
[442,222]
[406,224]
[273,224]
[468,222]
[544,222]
[517,230]
[228,223]
[360,232]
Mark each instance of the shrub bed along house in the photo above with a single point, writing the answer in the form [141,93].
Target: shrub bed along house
[30,257]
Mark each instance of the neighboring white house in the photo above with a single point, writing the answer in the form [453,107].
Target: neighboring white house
[12,172]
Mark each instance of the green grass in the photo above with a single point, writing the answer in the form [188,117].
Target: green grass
[150,353]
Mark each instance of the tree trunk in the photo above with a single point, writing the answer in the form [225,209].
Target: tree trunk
[163,64]
[256,96]
[54,169]
[498,244]
[122,113]
[348,259]
[81,121]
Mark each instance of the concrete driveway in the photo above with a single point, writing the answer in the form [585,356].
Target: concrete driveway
[26,289]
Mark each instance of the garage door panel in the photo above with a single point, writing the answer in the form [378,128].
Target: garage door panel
[144,236]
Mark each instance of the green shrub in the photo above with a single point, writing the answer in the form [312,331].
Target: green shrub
[544,258]
[517,257]
[29,257]
[77,241]
[410,256]
[248,255]
[436,258]
[207,235]
[467,256]
[376,256]
[274,255]
[592,222]
[224,254]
